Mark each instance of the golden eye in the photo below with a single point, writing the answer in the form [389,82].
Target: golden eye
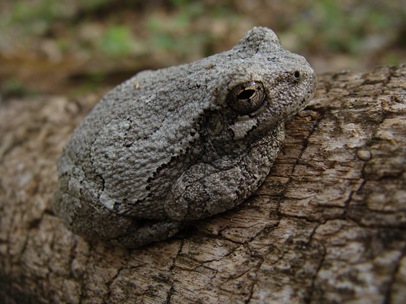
[247,97]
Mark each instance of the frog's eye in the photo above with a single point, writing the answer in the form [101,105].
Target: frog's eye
[247,97]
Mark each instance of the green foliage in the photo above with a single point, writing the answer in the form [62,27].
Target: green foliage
[13,87]
[117,40]
[336,27]
[134,34]
[172,33]
[37,16]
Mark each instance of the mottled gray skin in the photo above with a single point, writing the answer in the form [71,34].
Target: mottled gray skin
[175,145]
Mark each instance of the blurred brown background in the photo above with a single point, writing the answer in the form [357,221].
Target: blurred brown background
[77,47]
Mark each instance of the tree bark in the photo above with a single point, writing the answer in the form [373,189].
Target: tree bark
[327,226]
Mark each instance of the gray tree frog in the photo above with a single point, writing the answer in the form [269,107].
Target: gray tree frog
[180,144]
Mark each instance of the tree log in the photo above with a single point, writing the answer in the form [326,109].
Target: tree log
[327,226]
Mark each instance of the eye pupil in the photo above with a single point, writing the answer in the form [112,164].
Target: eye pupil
[296,74]
[246,94]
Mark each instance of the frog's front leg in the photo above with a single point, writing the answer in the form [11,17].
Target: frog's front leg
[204,190]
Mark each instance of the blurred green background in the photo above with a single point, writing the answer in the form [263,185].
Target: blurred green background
[76,47]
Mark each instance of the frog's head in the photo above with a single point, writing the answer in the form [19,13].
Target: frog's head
[263,85]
